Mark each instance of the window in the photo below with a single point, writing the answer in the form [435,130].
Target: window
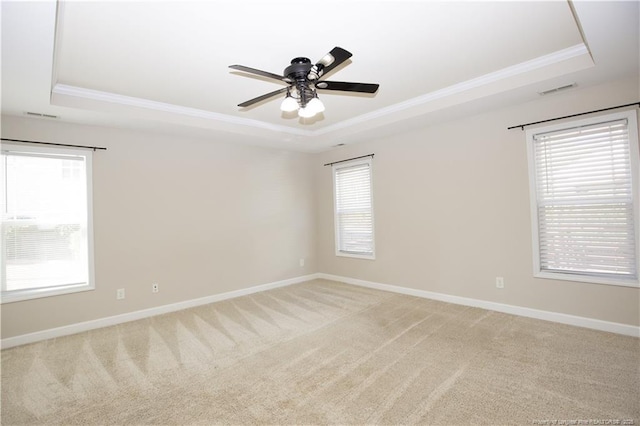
[584,200]
[353,209]
[46,222]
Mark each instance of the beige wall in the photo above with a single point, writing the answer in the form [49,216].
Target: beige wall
[200,217]
[203,217]
[451,210]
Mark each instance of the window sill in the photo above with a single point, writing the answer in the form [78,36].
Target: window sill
[356,256]
[22,295]
[622,282]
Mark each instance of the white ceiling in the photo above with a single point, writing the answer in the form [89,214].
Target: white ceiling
[164,64]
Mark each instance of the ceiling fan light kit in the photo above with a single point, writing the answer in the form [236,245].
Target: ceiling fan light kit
[289,104]
[303,80]
[294,103]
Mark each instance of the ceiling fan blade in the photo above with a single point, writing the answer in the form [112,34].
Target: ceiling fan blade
[347,87]
[334,58]
[263,97]
[257,72]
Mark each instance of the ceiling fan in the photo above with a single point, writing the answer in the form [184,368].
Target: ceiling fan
[303,79]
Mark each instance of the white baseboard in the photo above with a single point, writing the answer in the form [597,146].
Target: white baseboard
[613,327]
[145,313]
[628,330]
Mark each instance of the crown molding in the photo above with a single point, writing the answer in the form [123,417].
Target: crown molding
[114,98]
[418,103]
[465,86]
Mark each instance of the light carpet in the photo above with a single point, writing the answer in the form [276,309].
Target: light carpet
[323,352]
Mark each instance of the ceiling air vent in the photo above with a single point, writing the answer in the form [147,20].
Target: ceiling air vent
[37,114]
[557,89]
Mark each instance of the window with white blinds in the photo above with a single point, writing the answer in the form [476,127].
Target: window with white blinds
[46,222]
[353,209]
[585,200]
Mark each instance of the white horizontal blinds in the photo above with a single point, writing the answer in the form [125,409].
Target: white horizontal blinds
[354,213]
[44,226]
[585,200]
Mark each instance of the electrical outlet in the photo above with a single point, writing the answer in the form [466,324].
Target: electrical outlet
[154,288]
[499,282]
[120,294]
[301,262]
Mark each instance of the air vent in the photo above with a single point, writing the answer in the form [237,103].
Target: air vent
[557,89]
[37,114]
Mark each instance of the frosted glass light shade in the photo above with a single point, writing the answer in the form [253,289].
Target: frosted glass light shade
[289,104]
[316,105]
[306,112]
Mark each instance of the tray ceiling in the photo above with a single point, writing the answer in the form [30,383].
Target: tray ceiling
[166,63]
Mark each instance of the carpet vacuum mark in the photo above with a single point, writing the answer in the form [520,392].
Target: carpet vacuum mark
[323,352]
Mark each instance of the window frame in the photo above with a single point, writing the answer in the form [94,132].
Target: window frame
[36,293]
[338,252]
[634,149]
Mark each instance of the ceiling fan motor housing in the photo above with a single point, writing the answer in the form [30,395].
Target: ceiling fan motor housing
[299,69]
[297,73]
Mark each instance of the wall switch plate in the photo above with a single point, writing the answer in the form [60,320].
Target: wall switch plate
[120,294]
[500,282]
[154,288]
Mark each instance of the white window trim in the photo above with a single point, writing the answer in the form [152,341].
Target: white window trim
[335,211]
[20,295]
[635,173]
